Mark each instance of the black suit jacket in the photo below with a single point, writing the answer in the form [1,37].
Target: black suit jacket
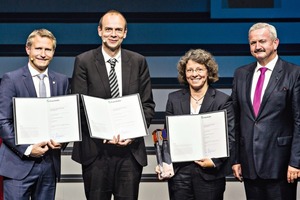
[179,104]
[270,142]
[90,78]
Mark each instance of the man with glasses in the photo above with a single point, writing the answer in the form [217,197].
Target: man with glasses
[112,167]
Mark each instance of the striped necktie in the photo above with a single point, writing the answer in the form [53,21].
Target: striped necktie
[113,82]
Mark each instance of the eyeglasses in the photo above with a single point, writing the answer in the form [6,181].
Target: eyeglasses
[197,70]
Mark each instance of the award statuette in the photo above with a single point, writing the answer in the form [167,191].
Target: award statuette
[162,150]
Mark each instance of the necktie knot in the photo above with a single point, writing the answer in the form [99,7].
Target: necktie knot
[263,70]
[41,76]
[112,62]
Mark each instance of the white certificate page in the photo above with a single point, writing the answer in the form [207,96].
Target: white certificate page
[194,137]
[122,116]
[42,119]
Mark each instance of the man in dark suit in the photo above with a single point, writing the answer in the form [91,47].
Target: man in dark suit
[30,171]
[115,166]
[267,109]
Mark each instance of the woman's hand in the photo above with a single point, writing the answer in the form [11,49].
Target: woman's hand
[205,163]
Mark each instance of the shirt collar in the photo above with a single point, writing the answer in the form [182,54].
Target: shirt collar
[107,57]
[34,72]
[270,65]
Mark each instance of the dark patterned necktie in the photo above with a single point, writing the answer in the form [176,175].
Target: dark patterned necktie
[113,82]
[42,87]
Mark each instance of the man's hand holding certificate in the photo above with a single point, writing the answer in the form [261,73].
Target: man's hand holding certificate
[43,119]
[115,120]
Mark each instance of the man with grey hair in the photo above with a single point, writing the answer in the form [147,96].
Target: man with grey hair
[266,98]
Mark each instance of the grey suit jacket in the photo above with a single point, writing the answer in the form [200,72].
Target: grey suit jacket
[179,104]
[270,142]
[90,78]
[13,163]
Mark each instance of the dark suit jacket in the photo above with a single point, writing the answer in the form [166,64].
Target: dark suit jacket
[269,142]
[179,104]
[90,78]
[13,163]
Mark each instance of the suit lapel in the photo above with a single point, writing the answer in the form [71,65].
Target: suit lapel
[249,78]
[185,102]
[274,79]
[28,82]
[206,104]
[126,71]
[52,83]
[208,100]
[101,69]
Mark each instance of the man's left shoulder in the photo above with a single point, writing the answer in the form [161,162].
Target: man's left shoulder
[289,65]
[130,53]
[58,75]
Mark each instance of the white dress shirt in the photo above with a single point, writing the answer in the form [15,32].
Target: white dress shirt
[118,68]
[36,80]
[268,74]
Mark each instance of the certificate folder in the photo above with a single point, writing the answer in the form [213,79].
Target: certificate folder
[42,119]
[122,116]
[194,137]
